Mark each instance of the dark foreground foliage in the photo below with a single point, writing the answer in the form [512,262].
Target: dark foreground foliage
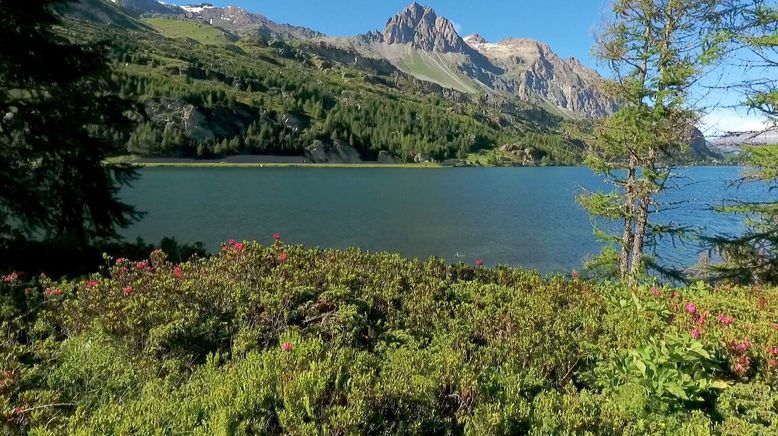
[268,340]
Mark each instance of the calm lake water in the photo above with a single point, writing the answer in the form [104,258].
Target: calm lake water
[517,216]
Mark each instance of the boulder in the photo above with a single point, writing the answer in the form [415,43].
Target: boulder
[337,153]
[386,158]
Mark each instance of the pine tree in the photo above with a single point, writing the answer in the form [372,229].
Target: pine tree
[54,101]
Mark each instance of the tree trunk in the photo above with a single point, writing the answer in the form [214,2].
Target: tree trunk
[628,235]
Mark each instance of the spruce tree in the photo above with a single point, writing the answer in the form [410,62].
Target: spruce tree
[55,107]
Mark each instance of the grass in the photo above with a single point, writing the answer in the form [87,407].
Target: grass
[211,164]
[422,65]
[202,33]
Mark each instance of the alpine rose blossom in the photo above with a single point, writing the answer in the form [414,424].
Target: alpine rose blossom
[726,320]
[178,272]
[53,292]
[575,275]
[11,278]
[772,363]
[479,262]
[283,257]
[691,308]
[656,292]
[774,351]
[695,333]
[128,290]
[91,284]
[276,236]
[286,346]
[741,346]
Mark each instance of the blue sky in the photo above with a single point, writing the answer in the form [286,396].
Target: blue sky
[568,26]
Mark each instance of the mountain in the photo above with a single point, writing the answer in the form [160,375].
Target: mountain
[140,7]
[244,23]
[427,46]
[421,28]
[733,142]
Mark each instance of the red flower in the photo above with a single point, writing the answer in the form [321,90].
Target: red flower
[286,346]
[742,346]
[53,292]
[232,246]
[283,257]
[276,236]
[656,292]
[120,260]
[178,272]
[691,308]
[725,320]
[575,275]
[11,278]
[695,333]
[91,284]
[479,262]
[142,265]
[772,363]
[774,351]
[19,410]
[128,290]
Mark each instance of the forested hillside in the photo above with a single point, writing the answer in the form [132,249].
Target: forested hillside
[203,92]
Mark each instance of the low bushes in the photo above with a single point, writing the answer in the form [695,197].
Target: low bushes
[282,339]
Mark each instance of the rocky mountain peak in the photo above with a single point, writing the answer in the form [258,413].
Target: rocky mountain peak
[475,39]
[422,28]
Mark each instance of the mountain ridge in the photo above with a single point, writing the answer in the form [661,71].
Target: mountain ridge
[427,46]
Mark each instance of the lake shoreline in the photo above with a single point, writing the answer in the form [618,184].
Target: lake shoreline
[270,161]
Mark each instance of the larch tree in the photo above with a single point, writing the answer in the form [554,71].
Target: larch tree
[656,50]
[752,257]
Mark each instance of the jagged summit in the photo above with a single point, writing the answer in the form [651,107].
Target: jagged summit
[420,27]
[475,39]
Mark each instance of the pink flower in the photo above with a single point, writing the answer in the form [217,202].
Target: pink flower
[479,262]
[178,272]
[128,291]
[691,308]
[695,333]
[774,351]
[575,275]
[91,284]
[233,246]
[120,260]
[283,257]
[739,368]
[725,320]
[772,363]
[19,410]
[11,278]
[53,292]
[276,236]
[142,265]
[656,292]
[741,346]
[286,346]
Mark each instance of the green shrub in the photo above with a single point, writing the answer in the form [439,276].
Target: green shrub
[284,340]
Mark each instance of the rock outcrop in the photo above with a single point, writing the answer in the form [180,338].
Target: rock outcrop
[423,29]
[338,152]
